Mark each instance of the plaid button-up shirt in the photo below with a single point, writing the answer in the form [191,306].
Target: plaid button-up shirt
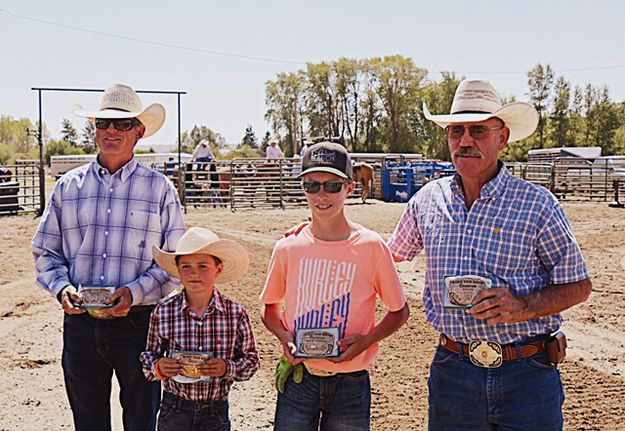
[224,329]
[515,234]
[98,229]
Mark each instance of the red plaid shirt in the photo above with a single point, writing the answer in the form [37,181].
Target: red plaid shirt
[224,329]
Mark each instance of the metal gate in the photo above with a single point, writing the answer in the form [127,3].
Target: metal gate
[20,190]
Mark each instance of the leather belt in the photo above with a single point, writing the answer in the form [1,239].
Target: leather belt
[508,351]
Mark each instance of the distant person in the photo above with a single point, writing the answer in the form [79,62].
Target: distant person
[210,326]
[273,150]
[502,263]
[307,143]
[328,277]
[202,155]
[98,230]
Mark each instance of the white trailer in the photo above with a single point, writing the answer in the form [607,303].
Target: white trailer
[62,164]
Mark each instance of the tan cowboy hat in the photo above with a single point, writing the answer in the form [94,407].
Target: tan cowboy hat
[121,101]
[198,240]
[477,100]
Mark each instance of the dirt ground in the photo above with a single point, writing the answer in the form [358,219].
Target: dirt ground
[594,375]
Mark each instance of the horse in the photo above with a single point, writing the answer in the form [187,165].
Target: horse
[363,173]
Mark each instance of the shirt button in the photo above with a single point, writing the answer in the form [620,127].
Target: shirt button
[108,210]
[106,232]
[111,190]
[466,258]
[104,255]
[469,231]
[101,277]
[199,348]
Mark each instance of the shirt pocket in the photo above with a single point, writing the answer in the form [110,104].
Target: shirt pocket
[142,232]
[504,249]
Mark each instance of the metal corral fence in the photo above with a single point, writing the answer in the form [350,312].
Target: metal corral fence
[262,183]
[573,178]
[20,188]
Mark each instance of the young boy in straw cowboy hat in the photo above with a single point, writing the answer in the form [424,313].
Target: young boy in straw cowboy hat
[328,277]
[199,340]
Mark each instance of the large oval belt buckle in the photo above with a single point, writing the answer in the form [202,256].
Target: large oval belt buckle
[486,354]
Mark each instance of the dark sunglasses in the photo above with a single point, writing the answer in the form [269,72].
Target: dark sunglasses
[332,186]
[475,131]
[121,125]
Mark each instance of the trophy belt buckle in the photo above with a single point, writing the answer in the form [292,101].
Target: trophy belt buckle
[485,354]
[318,372]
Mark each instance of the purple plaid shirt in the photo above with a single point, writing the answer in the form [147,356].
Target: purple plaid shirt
[516,234]
[224,329]
[98,229]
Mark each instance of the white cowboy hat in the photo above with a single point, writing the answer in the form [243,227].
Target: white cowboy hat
[121,101]
[198,240]
[477,100]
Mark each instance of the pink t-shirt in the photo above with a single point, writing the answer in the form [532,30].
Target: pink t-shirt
[333,284]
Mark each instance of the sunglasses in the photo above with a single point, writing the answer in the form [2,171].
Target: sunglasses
[121,125]
[332,186]
[476,131]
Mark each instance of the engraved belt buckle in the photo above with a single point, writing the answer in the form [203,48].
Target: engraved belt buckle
[485,354]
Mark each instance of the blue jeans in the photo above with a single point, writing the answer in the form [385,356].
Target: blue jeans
[92,350]
[343,402]
[178,414]
[525,394]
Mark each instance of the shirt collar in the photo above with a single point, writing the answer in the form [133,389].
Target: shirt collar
[125,171]
[492,189]
[216,303]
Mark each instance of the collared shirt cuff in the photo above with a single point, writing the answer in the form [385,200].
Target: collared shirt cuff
[58,287]
[231,369]
[137,292]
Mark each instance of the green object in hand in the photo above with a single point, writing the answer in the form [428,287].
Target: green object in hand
[284,369]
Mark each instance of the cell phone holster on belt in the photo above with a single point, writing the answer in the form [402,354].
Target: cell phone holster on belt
[556,348]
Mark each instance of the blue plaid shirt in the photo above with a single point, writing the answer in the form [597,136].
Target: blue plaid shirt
[98,229]
[515,234]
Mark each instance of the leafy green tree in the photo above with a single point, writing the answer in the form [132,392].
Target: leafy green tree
[399,90]
[283,98]
[348,91]
[540,81]
[560,115]
[603,121]
[242,152]
[438,97]
[59,148]
[87,137]
[69,133]
[14,135]
[576,131]
[190,140]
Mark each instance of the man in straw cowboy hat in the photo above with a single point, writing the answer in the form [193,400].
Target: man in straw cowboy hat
[97,234]
[502,263]
[200,341]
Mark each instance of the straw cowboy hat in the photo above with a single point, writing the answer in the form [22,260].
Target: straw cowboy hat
[198,240]
[477,100]
[121,101]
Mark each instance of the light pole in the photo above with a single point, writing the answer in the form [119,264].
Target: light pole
[42,186]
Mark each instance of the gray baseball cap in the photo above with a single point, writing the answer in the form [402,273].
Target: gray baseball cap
[327,157]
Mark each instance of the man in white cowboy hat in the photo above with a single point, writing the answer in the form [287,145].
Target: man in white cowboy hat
[502,263]
[97,231]
[273,150]
[200,341]
[203,155]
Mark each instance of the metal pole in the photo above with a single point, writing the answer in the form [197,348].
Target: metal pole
[42,178]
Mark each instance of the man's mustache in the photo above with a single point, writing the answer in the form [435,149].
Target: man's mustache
[467,152]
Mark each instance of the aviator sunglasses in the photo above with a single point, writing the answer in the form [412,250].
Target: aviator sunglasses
[475,131]
[121,125]
[332,186]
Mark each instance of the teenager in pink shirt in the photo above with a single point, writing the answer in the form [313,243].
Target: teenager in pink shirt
[328,276]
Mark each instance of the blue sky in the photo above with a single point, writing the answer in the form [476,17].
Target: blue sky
[496,40]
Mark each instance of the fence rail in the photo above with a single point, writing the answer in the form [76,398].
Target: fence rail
[19,188]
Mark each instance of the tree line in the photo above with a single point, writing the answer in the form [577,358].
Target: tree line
[376,105]
[373,105]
